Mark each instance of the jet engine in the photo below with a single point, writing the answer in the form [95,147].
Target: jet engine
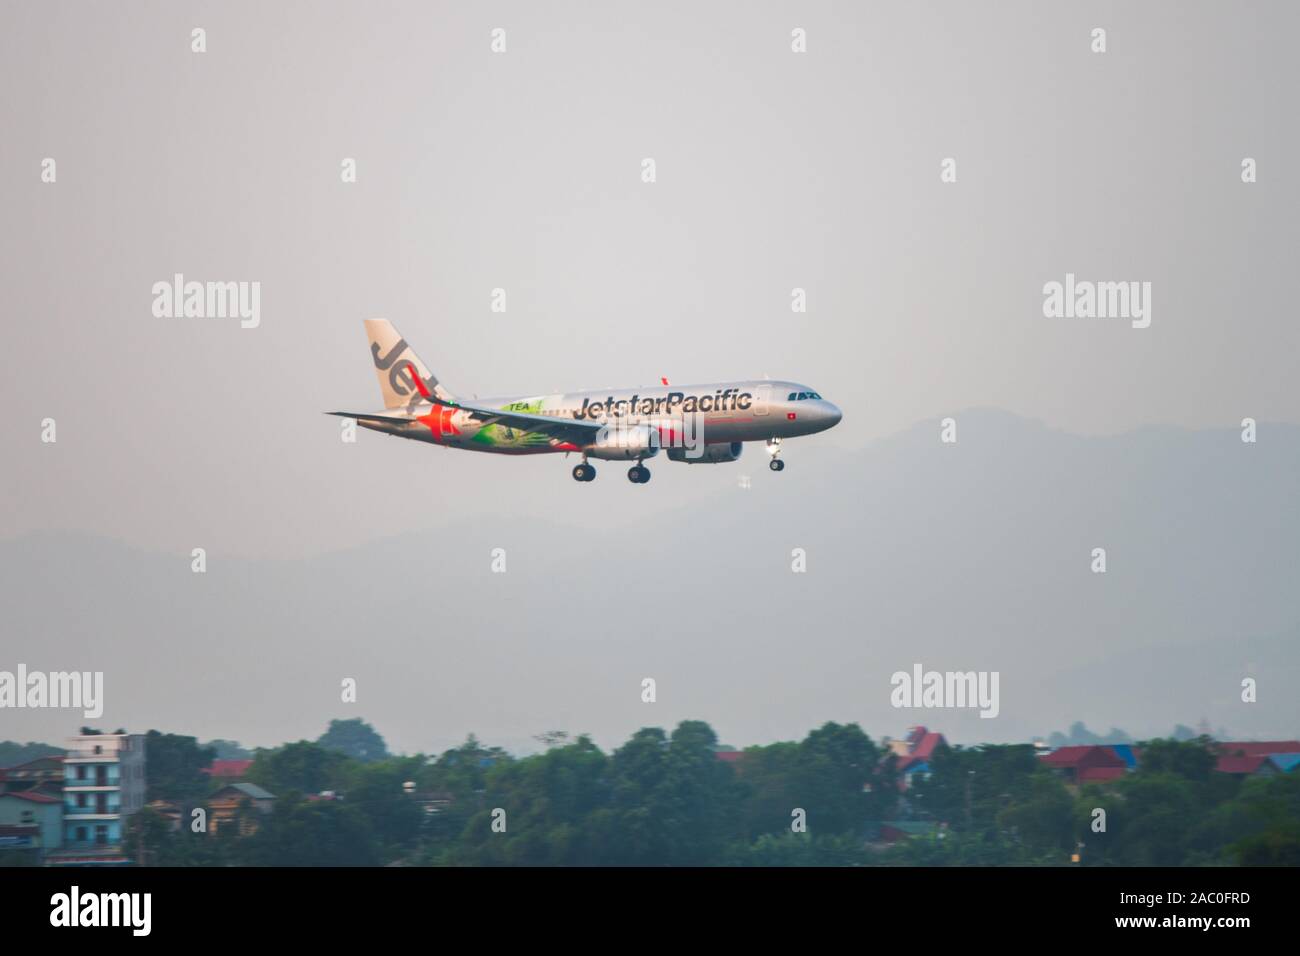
[624,443]
[713,454]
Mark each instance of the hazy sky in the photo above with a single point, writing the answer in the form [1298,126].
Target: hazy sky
[522,170]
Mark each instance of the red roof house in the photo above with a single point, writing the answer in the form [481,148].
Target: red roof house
[1251,748]
[35,796]
[921,742]
[913,753]
[43,773]
[228,769]
[1248,757]
[1091,763]
[1240,765]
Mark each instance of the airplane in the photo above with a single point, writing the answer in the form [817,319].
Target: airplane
[696,424]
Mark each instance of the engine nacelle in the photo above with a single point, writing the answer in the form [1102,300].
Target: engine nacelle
[624,443]
[713,454]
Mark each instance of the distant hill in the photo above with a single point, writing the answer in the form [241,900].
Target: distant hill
[968,556]
[13,753]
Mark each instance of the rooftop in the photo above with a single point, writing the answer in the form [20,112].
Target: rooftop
[33,796]
[251,790]
[230,768]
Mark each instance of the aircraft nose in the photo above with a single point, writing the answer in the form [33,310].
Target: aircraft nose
[827,415]
[823,415]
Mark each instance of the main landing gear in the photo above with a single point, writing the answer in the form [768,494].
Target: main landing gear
[638,474]
[774,449]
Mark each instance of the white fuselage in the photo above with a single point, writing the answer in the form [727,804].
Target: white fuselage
[709,413]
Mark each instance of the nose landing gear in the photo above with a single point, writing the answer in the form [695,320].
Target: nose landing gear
[774,449]
[583,472]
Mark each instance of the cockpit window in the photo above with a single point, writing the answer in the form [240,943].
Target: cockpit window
[792,397]
[814,395]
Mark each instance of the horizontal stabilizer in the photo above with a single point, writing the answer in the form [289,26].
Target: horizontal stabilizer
[368,417]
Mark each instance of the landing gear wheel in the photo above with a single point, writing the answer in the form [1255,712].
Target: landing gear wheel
[583,473]
[638,474]
[774,449]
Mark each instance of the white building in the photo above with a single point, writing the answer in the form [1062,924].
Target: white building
[103,784]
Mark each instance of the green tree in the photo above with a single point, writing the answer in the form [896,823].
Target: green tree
[1148,823]
[303,766]
[151,841]
[799,849]
[548,800]
[311,833]
[1190,759]
[1268,834]
[836,775]
[697,800]
[378,791]
[1039,818]
[175,766]
[355,738]
[671,800]
[229,750]
[969,787]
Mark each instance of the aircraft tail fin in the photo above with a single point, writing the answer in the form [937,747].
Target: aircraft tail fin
[397,366]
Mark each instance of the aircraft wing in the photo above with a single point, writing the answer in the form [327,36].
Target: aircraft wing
[559,429]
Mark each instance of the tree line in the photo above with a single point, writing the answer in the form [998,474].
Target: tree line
[664,798]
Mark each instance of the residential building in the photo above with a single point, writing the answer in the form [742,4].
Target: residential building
[227,805]
[1128,753]
[228,770]
[1090,763]
[1253,757]
[103,785]
[169,810]
[31,820]
[1243,765]
[43,775]
[881,833]
[1285,762]
[913,754]
[433,801]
